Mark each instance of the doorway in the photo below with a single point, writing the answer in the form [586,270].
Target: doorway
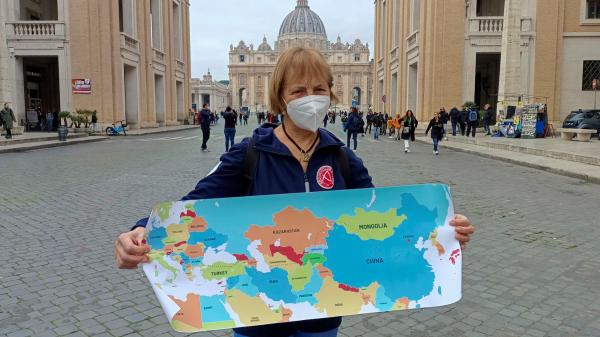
[41,93]
[131,95]
[487,79]
[159,99]
[413,82]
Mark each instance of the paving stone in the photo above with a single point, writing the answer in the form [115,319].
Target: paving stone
[515,272]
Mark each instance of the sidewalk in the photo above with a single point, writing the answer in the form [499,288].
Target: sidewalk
[40,140]
[570,158]
[43,140]
[148,131]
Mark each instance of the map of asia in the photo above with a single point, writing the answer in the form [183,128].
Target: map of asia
[236,262]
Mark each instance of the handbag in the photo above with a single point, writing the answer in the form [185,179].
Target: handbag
[405,130]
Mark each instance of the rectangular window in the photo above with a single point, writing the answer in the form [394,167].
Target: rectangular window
[591,72]
[356,57]
[121,16]
[155,19]
[177,31]
[593,9]
[416,14]
[383,27]
[259,59]
[339,59]
[396,26]
[242,58]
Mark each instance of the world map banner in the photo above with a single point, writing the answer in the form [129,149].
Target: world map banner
[239,262]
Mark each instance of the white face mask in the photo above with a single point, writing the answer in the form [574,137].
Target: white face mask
[308,112]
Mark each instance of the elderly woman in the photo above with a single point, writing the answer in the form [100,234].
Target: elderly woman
[286,158]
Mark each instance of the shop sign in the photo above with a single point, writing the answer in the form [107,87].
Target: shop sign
[81,86]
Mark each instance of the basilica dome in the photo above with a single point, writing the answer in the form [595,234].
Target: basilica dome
[302,20]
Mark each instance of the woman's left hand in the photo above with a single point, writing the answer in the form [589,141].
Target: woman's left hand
[464,229]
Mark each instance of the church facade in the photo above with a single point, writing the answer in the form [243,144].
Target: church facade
[250,68]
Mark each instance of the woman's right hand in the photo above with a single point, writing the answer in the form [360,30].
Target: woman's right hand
[130,249]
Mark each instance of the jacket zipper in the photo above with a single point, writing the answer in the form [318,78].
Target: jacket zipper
[306,184]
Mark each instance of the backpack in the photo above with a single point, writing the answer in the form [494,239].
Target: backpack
[252,156]
[473,116]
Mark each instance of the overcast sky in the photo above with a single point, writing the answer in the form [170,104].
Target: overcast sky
[215,24]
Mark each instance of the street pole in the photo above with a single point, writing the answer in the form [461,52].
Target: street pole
[595,88]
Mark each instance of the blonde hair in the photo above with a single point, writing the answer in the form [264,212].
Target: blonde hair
[297,61]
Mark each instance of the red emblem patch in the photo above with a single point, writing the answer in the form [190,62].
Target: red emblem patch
[325,177]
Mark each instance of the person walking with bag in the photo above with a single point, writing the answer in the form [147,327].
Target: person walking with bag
[472,121]
[409,126]
[437,131]
[7,118]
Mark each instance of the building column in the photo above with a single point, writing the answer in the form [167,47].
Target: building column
[64,80]
[510,64]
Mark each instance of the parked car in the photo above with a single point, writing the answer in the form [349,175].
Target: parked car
[583,119]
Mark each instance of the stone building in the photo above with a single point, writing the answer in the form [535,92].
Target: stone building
[250,68]
[127,59]
[430,54]
[207,90]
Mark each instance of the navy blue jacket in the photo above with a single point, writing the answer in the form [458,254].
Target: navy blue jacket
[205,118]
[353,124]
[277,172]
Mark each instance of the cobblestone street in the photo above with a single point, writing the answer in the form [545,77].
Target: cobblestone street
[532,268]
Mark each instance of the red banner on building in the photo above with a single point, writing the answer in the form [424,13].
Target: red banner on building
[81,86]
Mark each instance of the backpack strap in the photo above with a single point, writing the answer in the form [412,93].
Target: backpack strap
[249,166]
[344,163]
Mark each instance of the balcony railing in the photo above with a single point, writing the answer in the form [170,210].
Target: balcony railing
[412,40]
[35,30]
[159,56]
[129,43]
[492,25]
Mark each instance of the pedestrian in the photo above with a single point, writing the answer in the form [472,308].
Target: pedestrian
[472,121]
[437,131]
[246,116]
[205,116]
[385,123]
[444,117]
[193,116]
[454,119]
[369,121]
[95,127]
[488,119]
[325,120]
[464,117]
[287,158]
[409,126]
[377,123]
[230,117]
[7,118]
[354,124]
[397,126]
[49,121]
